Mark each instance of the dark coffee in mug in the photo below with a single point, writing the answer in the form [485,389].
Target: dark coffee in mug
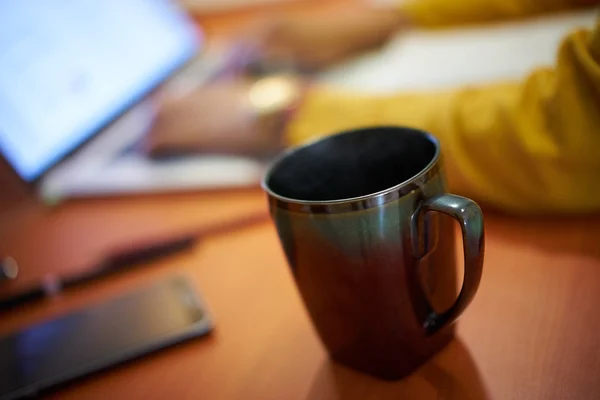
[367,229]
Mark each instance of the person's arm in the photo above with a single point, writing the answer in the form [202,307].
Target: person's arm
[531,146]
[435,13]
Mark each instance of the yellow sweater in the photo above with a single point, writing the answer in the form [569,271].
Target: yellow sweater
[531,146]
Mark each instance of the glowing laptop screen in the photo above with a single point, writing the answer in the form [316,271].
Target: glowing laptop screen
[69,67]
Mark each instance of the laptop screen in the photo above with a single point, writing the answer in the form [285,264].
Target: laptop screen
[69,67]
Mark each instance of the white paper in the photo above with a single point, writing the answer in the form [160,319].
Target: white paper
[453,57]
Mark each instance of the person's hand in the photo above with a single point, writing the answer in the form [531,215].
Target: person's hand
[214,118]
[321,40]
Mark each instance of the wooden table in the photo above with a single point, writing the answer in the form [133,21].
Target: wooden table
[533,331]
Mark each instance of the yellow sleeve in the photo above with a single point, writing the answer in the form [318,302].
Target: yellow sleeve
[434,13]
[530,146]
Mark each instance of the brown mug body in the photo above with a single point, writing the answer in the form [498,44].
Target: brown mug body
[368,232]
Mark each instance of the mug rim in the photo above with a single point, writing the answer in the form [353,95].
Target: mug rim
[358,202]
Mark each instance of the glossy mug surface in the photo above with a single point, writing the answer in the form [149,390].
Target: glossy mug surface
[368,232]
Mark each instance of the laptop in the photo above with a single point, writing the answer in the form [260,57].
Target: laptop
[75,76]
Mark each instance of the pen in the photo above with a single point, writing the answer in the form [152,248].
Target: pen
[127,257]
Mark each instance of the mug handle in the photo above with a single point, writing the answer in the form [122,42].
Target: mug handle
[469,216]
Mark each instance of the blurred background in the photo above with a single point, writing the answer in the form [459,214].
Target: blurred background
[107,100]
[136,132]
[126,99]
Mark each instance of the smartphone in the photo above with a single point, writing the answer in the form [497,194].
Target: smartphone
[71,346]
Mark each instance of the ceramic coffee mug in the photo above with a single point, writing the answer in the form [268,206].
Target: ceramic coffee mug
[368,232]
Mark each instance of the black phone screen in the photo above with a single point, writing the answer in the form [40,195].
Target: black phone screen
[99,336]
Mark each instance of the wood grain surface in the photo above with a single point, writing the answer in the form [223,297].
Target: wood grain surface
[532,332]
